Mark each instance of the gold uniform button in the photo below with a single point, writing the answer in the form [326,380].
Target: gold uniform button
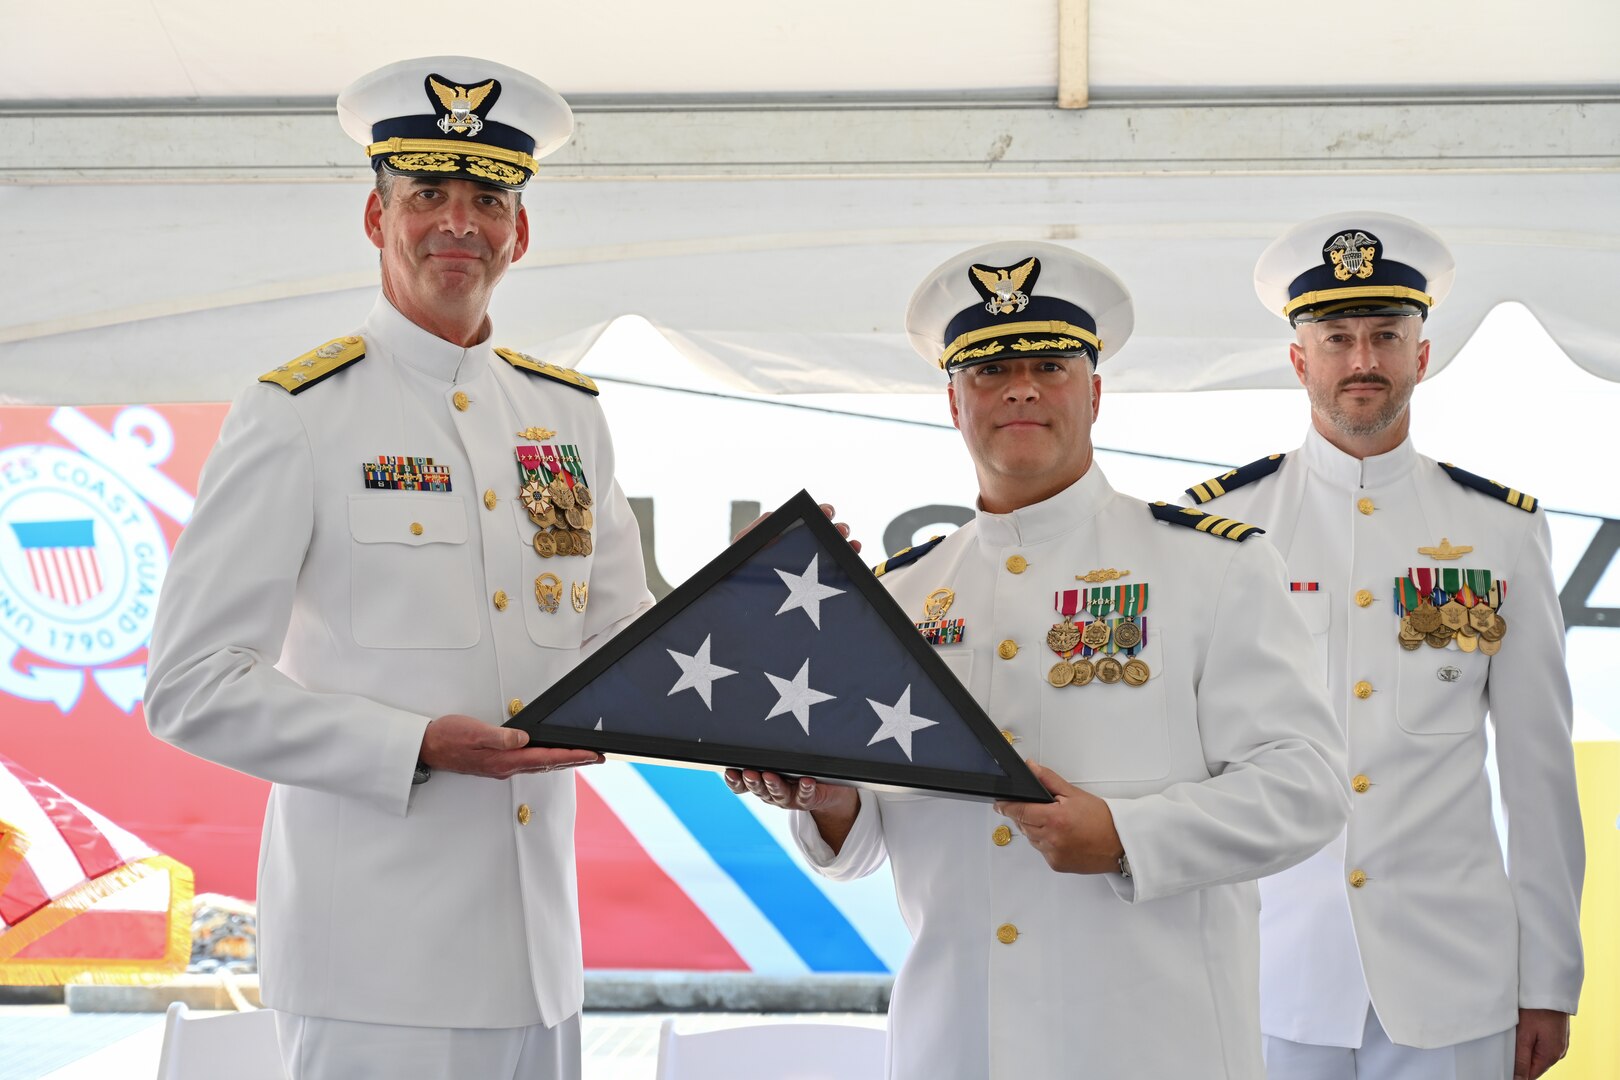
[1017,564]
[1365,505]
[489,499]
[461,400]
[1009,736]
[1359,783]
[1007,649]
[500,600]
[1358,878]
[514,706]
[416,528]
[1363,689]
[1363,597]
[523,814]
[1002,836]
[1007,933]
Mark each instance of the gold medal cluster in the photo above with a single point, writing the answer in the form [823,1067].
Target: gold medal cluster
[563,514]
[1064,637]
[1478,627]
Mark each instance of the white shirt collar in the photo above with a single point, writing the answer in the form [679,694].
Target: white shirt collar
[388,331]
[1338,467]
[1042,521]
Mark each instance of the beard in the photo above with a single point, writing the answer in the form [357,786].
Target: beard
[1361,421]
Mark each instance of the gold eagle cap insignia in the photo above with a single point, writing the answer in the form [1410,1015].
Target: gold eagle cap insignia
[1004,286]
[451,96]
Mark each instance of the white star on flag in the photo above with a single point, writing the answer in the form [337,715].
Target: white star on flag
[806,591]
[697,673]
[898,722]
[796,697]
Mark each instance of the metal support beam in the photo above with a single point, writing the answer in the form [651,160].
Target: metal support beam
[1074,54]
[814,139]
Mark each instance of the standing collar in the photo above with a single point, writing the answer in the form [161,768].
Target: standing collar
[1338,467]
[1043,521]
[388,331]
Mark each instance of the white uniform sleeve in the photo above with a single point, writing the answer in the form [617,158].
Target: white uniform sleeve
[1531,710]
[226,602]
[619,591]
[863,850]
[1277,790]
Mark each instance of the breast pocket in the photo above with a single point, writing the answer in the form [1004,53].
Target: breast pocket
[1101,733]
[1316,608]
[411,572]
[1440,691]
[556,588]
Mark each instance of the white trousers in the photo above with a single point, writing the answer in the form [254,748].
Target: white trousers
[1489,1058]
[315,1048]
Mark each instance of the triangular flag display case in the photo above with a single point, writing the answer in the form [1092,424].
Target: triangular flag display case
[785,654]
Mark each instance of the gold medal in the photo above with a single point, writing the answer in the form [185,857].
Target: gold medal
[1127,635]
[1439,639]
[1496,631]
[583,544]
[1096,634]
[1109,671]
[561,493]
[1411,645]
[1467,642]
[1061,674]
[1480,616]
[1409,632]
[576,518]
[1453,615]
[582,497]
[1425,619]
[548,592]
[1489,647]
[533,496]
[546,517]
[1063,637]
[1084,671]
[544,545]
[1136,672]
[565,541]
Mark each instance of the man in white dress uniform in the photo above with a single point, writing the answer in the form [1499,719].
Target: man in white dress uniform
[1150,661]
[1405,948]
[402,536]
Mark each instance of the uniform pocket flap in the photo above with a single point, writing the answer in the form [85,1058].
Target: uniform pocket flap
[407,519]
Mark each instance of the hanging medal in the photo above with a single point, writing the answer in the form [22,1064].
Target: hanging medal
[1131,600]
[1453,615]
[1109,670]
[1064,636]
[1137,672]
[1097,633]
[1406,602]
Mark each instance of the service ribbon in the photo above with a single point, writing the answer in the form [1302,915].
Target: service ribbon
[1130,599]
[1424,576]
[576,467]
[1450,582]
[1406,595]
[1066,602]
[1100,602]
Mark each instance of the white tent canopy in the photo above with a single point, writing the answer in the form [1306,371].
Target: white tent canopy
[766,186]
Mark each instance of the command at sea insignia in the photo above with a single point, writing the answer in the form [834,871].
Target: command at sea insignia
[1232,479]
[299,375]
[1225,528]
[566,376]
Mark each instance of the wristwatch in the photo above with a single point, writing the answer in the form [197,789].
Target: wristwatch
[1124,866]
[423,772]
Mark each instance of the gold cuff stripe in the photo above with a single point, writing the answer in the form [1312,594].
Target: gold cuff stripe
[984,333]
[1391,292]
[446,146]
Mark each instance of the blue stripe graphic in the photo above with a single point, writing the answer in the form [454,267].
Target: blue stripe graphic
[55,534]
[741,847]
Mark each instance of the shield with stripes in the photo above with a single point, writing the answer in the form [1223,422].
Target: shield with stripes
[61,558]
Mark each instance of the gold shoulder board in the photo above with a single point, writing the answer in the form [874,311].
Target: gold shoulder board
[550,371]
[1232,479]
[1225,528]
[1511,496]
[905,556]
[299,375]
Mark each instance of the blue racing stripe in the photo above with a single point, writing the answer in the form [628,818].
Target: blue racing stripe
[741,847]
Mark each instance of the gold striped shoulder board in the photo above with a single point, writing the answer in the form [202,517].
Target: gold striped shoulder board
[906,555]
[1225,528]
[1511,496]
[567,376]
[1232,479]
[299,375]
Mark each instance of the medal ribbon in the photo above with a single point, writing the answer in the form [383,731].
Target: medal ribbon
[1100,602]
[554,463]
[570,457]
[1424,576]
[1130,599]
[1406,595]
[531,466]
[1066,602]
[1450,582]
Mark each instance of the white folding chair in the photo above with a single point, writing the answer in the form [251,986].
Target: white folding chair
[236,1046]
[772,1052]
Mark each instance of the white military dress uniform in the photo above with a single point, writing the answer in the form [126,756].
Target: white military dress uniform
[1445,943]
[1223,766]
[317,614]
[308,630]
[1411,909]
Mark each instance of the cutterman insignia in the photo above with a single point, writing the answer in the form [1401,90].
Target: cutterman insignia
[905,556]
[1511,496]
[550,371]
[299,375]
[1225,528]
[1233,479]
